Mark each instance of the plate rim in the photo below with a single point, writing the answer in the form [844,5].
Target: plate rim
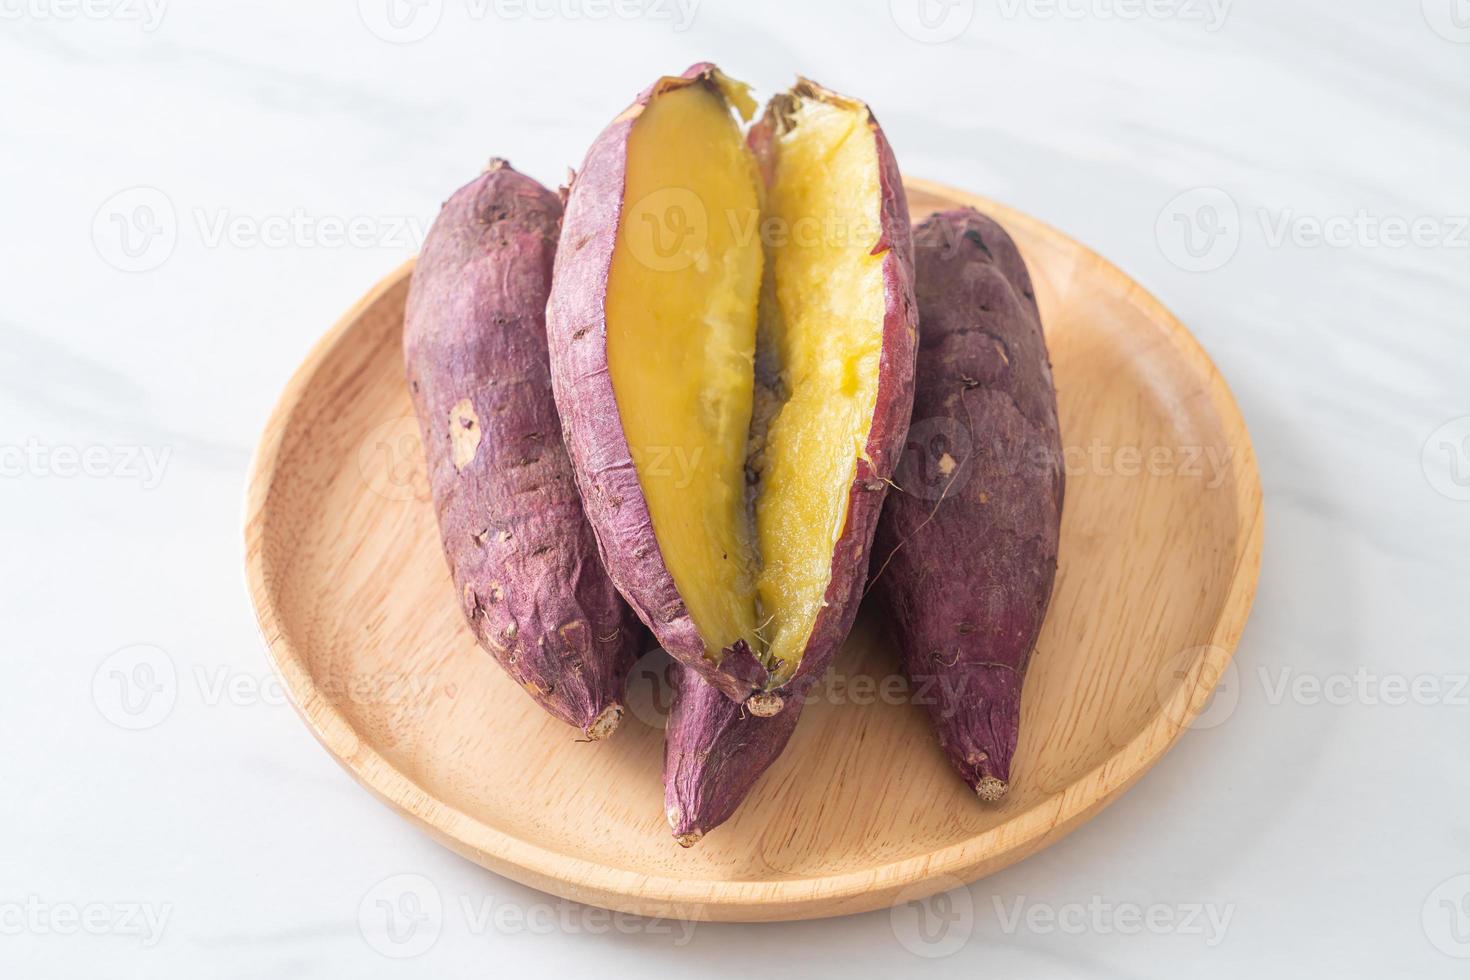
[623,889]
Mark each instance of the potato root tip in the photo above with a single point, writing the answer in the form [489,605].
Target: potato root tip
[991,790]
[605,723]
[765,704]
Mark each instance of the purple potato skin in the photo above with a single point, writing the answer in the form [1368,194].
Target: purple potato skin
[714,751]
[576,322]
[523,559]
[966,557]
[577,328]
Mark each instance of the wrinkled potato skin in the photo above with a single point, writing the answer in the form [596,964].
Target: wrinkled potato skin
[965,567]
[523,559]
[714,751]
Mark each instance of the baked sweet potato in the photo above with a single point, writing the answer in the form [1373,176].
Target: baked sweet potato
[523,559]
[966,552]
[732,343]
[714,751]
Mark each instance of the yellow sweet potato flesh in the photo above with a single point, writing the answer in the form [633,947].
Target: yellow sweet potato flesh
[682,296]
[746,478]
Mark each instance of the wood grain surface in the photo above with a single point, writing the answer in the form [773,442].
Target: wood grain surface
[1161,543]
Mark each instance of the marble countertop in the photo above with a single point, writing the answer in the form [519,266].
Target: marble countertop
[193,192]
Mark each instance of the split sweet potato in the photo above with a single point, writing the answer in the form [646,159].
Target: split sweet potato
[732,335]
[966,551]
[523,559]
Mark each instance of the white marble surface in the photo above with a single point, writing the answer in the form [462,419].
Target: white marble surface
[1326,826]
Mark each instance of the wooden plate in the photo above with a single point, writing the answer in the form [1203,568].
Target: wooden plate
[1160,550]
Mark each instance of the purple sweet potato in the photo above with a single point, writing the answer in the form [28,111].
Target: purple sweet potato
[523,559]
[966,551]
[734,404]
[714,751]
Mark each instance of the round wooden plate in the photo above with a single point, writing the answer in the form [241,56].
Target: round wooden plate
[1161,544]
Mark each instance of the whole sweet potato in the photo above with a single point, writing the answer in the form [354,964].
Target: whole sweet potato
[714,752]
[735,379]
[966,552]
[523,560]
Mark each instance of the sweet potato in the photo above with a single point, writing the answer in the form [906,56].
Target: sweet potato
[523,559]
[732,343]
[966,551]
[714,751]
